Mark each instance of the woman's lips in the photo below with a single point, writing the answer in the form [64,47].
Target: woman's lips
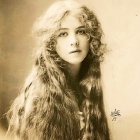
[75,51]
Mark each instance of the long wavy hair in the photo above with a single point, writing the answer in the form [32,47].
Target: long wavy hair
[48,105]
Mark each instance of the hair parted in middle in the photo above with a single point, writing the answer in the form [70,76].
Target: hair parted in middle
[48,104]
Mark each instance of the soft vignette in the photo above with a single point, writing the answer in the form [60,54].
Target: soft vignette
[120,20]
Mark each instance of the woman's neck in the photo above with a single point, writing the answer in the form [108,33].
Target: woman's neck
[74,70]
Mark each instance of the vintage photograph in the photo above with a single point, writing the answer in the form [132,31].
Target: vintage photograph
[69,70]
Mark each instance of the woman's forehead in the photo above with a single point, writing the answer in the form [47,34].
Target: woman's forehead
[71,21]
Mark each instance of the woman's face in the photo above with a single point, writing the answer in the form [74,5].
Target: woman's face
[72,41]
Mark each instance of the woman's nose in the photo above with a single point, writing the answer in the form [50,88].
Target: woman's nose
[74,41]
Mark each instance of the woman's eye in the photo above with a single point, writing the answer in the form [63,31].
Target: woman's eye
[81,31]
[63,34]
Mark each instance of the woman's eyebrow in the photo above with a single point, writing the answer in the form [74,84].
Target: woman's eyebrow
[68,28]
[63,29]
[80,27]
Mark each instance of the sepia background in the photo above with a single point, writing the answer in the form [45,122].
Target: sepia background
[120,20]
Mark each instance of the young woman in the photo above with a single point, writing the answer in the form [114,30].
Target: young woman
[62,98]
